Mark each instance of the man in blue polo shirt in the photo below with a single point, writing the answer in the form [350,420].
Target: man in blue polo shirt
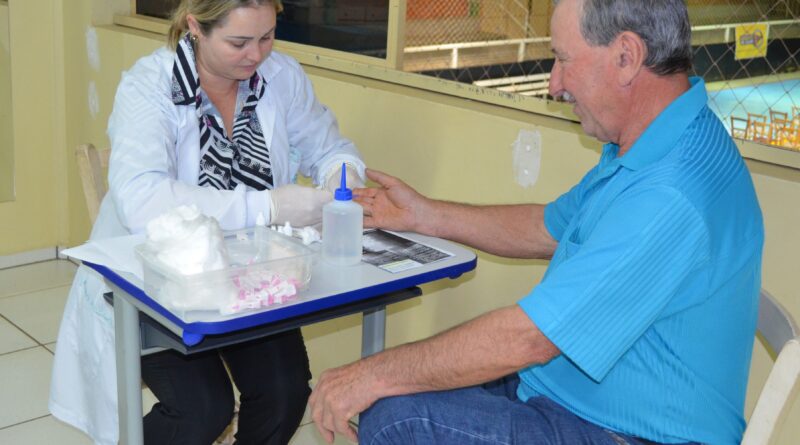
[642,327]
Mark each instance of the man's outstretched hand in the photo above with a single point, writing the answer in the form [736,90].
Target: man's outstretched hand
[394,205]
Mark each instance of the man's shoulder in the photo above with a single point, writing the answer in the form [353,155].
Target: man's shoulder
[703,164]
[707,168]
[704,145]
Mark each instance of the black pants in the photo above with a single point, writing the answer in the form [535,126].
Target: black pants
[196,398]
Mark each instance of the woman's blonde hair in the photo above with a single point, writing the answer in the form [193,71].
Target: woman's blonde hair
[209,14]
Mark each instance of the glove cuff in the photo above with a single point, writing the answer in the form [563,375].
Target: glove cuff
[333,177]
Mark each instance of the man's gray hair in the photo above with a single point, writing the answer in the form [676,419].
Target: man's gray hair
[663,25]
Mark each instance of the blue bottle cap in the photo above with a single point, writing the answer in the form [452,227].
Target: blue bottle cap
[343,193]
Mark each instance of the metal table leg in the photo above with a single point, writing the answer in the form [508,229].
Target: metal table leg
[373,331]
[129,373]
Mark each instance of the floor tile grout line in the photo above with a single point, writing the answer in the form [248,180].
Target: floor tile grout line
[68,260]
[24,421]
[49,287]
[38,343]
[30,291]
[21,350]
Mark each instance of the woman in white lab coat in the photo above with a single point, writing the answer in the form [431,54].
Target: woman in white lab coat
[220,121]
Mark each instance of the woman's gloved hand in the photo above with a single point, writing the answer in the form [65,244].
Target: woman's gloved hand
[301,206]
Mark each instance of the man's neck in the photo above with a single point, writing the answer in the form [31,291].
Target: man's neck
[648,97]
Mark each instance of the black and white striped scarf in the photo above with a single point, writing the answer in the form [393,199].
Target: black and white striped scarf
[224,164]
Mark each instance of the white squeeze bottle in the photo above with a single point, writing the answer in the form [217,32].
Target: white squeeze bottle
[342,227]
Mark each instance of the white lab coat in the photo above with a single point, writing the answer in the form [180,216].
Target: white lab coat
[154,167]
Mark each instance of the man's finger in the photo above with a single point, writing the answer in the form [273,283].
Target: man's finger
[326,435]
[351,434]
[329,419]
[365,192]
[364,201]
[343,427]
[381,178]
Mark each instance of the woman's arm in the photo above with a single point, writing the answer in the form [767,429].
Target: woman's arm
[144,167]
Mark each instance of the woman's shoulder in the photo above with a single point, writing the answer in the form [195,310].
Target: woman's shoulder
[152,67]
[283,60]
[280,65]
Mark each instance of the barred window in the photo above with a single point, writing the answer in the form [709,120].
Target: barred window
[355,26]
[505,45]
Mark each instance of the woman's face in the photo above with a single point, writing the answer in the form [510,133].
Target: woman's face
[237,46]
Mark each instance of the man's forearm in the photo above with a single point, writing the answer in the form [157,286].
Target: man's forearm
[480,350]
[466,355]
[515,231]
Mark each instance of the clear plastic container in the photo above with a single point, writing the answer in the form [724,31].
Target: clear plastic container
[256,274]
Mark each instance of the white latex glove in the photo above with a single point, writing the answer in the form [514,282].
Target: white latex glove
[334,178]
[301,206]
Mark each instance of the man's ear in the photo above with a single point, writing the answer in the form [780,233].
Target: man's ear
[630,53]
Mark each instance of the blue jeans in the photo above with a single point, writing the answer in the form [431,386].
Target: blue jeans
[487,414]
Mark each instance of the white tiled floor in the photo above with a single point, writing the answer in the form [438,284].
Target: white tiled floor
[32,298]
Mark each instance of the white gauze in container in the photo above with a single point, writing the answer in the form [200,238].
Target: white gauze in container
[188,242]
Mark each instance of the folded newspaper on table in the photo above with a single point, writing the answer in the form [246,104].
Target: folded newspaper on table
[395,253]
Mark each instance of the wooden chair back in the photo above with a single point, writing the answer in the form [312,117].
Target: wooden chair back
[778,115]
[759,131]
[93,168]
[738,127]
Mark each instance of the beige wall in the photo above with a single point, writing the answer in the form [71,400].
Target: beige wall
[6,132]
[31,220]
[446,147]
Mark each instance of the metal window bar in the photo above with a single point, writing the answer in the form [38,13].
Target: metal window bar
[521,43]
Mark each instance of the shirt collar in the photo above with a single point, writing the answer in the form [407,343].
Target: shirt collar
[660,136]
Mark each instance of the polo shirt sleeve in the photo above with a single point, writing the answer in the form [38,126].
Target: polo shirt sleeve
[602,294]
[560,212]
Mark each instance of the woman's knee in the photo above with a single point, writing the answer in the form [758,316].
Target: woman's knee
[288,396]
[296,395]
[199,421]
[211,412]
[222,414]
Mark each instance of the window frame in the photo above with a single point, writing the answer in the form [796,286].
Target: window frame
[395,33]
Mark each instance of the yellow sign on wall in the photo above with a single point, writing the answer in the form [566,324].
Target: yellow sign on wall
[751,40]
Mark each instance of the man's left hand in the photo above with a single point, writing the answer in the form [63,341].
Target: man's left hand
[339,395]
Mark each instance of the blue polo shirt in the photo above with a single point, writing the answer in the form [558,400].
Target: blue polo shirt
[652,293]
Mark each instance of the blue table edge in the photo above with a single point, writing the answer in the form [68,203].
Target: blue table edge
[193,333]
